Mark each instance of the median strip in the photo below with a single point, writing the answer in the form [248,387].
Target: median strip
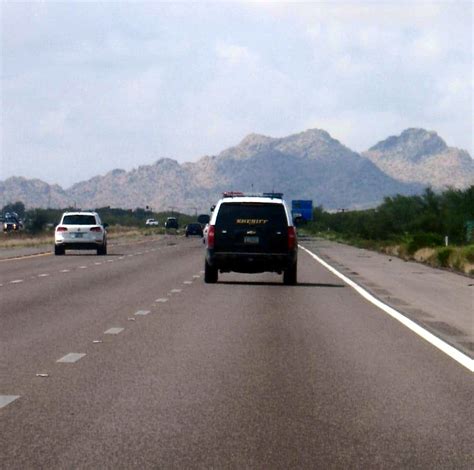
[449,350]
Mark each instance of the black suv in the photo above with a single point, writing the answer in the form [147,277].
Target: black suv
[193,229]
[171,222]
[251,234]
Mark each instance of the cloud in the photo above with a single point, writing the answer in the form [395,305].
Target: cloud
[117,85]
[234,54]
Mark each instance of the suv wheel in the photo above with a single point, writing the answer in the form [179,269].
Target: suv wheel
[210,274]
[290,275]
[102,250]
[59,250]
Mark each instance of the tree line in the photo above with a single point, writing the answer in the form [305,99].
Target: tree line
[38,220]
[421,220]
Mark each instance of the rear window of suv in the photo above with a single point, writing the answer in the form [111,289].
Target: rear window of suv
[79,220]
[252,214]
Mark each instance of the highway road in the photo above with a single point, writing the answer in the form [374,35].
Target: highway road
[130,361]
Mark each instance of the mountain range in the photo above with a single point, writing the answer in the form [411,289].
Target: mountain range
[307,165]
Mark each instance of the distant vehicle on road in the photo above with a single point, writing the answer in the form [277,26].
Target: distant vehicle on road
[301,211]
[80,231]
[152,223]
[194,229]
[11,222]
[172,222]
[203,219]
[251,234]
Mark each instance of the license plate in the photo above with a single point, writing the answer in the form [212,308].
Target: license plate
[78,235]
[251,240]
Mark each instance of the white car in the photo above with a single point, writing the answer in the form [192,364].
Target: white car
[80,231]
[152,223]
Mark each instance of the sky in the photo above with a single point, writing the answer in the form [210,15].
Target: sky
[87,87]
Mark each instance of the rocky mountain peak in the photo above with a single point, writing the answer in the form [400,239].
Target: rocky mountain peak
[252,140]
[420,156]
[306,165]
[413,144]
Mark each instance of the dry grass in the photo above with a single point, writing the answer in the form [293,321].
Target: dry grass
[23,240]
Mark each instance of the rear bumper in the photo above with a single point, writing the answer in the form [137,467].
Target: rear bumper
[86,245]
[250,262]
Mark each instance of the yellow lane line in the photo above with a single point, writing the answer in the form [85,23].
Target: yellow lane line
[37,255]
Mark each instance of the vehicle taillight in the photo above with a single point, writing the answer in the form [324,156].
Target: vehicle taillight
[291,238]
[96,229]
[61,229]
[211,235]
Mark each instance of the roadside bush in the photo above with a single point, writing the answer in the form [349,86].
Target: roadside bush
[443,256]
[424,240]
[469,253]
[38,219]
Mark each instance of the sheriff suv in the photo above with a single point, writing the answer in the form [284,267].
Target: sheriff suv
[251,234]
[80,231]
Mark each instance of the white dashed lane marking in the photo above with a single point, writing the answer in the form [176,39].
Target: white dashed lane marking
[196,276]
[16,281]
[187,282]
[113,331]
[43,275]
[82,267]
[65,271]
[7,399]
[162,299]
[142,312]
[97,264]
[175,291]
[71,357]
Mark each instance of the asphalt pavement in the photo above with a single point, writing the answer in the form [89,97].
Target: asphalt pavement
[159,370]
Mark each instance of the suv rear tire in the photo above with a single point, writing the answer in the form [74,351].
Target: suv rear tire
[102,250]
[59,250]
[290,275]
[210,274]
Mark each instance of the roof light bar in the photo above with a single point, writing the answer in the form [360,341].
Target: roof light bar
[271,195]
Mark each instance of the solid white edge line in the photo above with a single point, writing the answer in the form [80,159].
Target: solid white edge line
[452,352]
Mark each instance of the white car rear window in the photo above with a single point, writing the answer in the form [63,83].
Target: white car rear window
[79,219]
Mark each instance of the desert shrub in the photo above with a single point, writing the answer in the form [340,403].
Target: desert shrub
[424,240]
[468,252]
[443,256]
